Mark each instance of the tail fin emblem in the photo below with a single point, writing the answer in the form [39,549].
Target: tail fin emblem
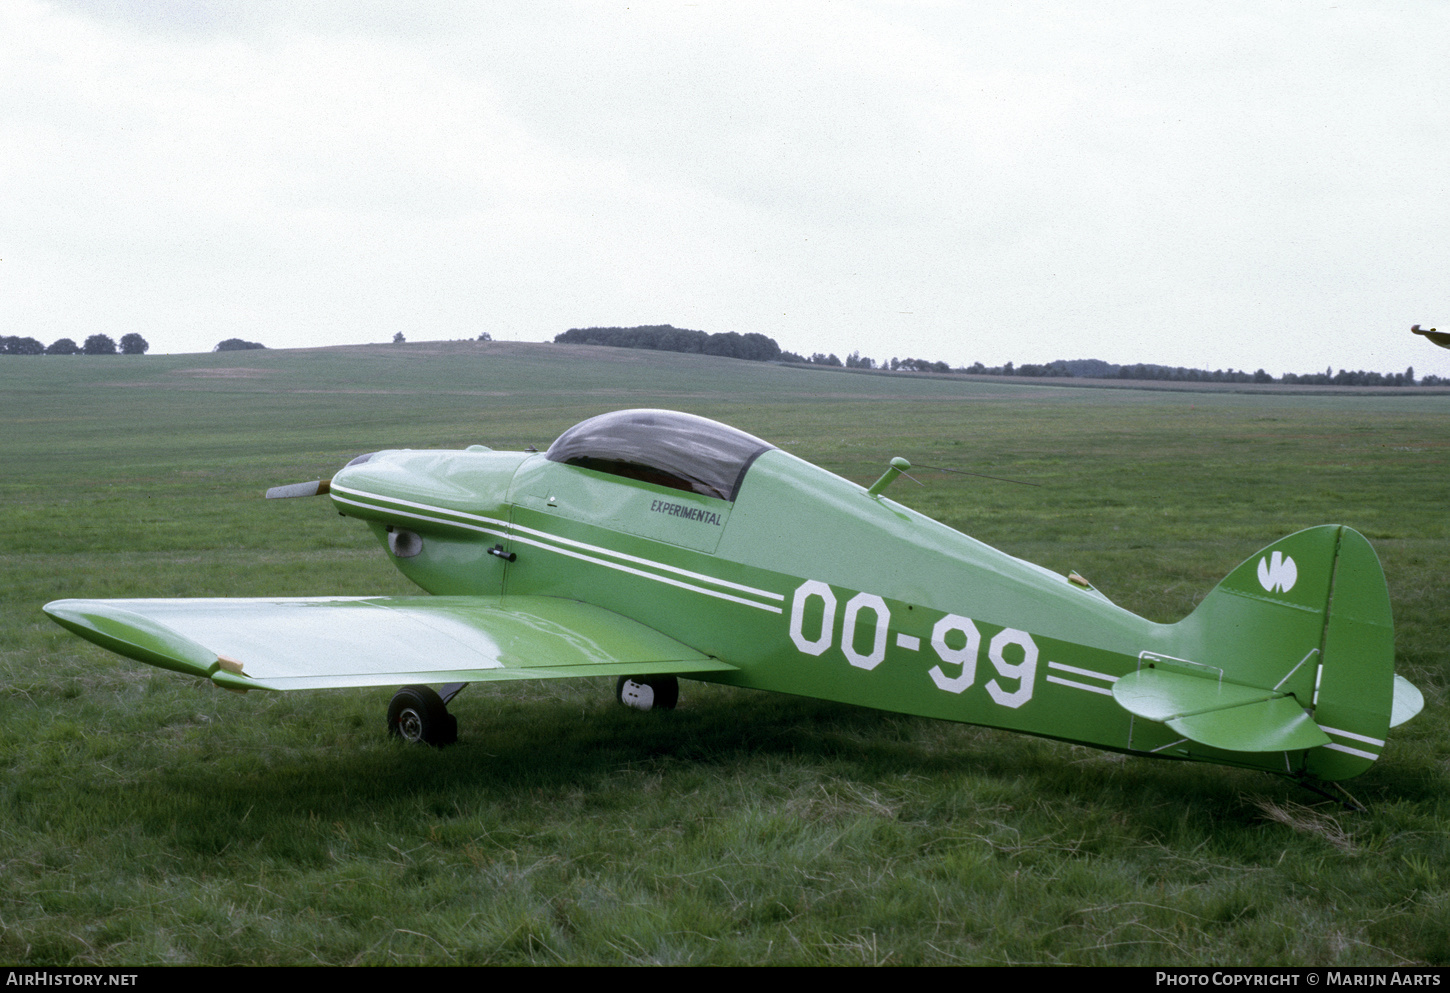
[1278,574]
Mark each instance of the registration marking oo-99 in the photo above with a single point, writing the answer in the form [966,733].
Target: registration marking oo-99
[957,671]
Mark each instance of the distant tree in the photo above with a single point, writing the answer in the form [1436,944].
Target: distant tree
[668,338]
[99,344]
[727,344]
[22,346]
[63,346]
[134,344]
[398,339]
[758,347]
[485,337]
[236,345]
[1093,368]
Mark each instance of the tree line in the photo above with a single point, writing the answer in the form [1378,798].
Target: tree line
[760,348]
[1097,369]
[101,344]
[667,338]
[96,344]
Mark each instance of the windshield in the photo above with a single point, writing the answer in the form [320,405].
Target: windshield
[664,447]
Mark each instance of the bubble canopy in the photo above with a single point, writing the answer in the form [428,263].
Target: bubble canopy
[664,447]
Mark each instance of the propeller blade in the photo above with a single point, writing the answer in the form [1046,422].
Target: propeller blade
[315,488]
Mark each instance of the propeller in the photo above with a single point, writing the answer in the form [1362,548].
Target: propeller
[317,487]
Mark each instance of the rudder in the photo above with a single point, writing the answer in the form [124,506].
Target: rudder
[1356,694]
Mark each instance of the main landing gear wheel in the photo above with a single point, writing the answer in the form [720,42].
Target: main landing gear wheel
[648,692]
[418,715]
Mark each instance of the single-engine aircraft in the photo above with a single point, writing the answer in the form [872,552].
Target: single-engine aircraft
[652,544]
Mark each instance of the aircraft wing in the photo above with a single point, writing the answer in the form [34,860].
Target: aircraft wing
[327,642]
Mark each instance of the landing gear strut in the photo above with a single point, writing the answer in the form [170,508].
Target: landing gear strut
[648,692]
[418,715]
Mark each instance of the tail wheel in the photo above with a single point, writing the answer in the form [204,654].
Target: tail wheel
[648,692]
[418,715]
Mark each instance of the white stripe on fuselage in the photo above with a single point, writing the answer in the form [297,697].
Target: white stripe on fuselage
[1079,686]
[1089,673]
[551,542]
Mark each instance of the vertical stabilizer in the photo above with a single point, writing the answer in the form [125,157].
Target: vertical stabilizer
[1309,618]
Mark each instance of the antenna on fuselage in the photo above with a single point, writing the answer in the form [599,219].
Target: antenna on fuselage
[898,467]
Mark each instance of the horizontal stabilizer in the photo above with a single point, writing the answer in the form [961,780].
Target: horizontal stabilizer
[1217,713]
[1161,695]
[326,642]
[1277,725]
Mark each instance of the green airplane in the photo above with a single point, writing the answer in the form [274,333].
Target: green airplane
[651,544]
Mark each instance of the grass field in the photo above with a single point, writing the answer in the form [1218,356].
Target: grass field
[149,818]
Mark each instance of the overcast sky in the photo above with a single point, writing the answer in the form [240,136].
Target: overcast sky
[1216,185]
